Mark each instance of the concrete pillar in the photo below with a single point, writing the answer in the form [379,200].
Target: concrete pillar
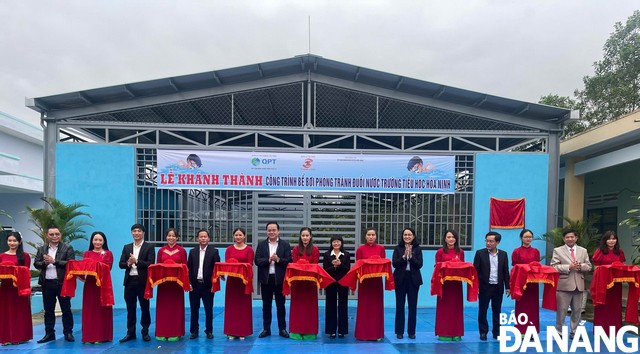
[573,190]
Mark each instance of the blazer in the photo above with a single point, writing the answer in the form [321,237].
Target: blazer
[65,252]
[336,272]
[262,260]
[483,266]
[211,256]
[570,279]
[146,257]
[400,265]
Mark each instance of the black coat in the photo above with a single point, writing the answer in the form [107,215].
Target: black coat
[400,264]
[337,272]
[211,256]
[146,257]
[483,267]
[262,260]
[65,252]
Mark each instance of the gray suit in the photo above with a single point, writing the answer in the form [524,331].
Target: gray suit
[570,285]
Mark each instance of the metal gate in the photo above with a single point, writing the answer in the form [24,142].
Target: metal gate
[325,214]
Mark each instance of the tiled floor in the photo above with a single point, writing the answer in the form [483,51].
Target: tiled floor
[426,342]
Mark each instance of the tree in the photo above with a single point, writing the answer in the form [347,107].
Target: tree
[67,217]
[573,127]
[614,89]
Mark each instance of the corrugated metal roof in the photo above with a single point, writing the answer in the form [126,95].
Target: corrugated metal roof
[307,63]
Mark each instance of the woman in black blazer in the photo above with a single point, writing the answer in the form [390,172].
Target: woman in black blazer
[407,261]
[336,262]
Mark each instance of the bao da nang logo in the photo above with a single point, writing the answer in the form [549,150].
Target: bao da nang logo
[513,340]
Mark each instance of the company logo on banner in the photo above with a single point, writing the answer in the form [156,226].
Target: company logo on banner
[305,172]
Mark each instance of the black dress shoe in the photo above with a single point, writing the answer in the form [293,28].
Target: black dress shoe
[340,335]
[399,336]
[283,333]
[209,335]
[264,333]
[47,338]
[127,338]
[483,337]
[333,336]
[193,336]
[412,336]
[146,337]
[69,337]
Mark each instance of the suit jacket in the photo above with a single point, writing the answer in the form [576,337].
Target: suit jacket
[483,266]
[570,279]
[400,265]
[211,256]
[65,252]
[337,272]
[146,257]
[262,260]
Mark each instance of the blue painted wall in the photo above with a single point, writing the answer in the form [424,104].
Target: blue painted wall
[103,178]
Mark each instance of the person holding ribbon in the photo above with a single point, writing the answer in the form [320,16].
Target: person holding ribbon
[610,313]
[170,302]
[15,310]
[449,306]
[303,314]
[238,318]
[336,261]
[529,303]
[370,312]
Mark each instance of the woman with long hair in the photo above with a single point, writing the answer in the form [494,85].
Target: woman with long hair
[170,302]
[15,310]
[97,320]
[238,318]
[303,313]
[449,306]
[337,262]
[609,313]
[407,261]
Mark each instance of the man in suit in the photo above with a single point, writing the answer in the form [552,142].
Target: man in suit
[201,261]
[135,260]
[51,259]
[492,266]
[272,257]
[571,261]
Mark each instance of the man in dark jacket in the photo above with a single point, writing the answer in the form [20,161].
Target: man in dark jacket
[135,260]
[201,261]
[492,266]
[272,257]
[51,259]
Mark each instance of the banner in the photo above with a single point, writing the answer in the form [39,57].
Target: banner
[183,169]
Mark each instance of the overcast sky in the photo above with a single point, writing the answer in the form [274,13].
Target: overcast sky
[521,49]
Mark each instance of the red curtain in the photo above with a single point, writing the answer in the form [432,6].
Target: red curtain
[506,213]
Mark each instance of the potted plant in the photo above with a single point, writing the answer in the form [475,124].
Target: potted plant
[67,217]
[588,237]
[633,222]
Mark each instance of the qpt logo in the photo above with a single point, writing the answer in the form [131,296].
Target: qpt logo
[256,161]
[512,340]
